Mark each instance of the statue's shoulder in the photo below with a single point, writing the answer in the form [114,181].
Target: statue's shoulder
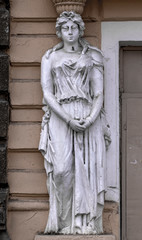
[53,52]
[96,54]
[51,55]
[48,55]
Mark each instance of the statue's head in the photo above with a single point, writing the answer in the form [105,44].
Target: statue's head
[66,17]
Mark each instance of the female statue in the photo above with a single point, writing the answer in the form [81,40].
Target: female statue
[74,132]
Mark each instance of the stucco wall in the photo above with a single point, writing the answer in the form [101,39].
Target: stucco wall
[32,33]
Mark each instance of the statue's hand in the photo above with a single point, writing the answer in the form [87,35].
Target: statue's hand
[77,125]
[86,122]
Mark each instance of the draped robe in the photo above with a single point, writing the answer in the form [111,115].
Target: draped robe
[75,162]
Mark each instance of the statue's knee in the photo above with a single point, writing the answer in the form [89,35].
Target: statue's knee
[59,173]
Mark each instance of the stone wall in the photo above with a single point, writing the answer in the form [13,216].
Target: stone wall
[4,113]
[32,33]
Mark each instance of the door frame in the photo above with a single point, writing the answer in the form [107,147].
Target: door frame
[124,34]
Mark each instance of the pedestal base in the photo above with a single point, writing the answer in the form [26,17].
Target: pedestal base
[75,237]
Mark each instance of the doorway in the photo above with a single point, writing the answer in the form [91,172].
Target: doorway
[131,142]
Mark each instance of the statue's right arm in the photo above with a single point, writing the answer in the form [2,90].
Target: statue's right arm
[48,91]
[49,97]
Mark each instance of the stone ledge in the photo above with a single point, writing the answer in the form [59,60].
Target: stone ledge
[75,237]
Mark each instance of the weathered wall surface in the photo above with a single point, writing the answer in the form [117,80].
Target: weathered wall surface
[32,33]
[4,113]
[121,10]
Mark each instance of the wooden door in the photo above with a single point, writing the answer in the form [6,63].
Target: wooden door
[131,142]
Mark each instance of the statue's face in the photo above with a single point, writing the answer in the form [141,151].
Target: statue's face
[70,32]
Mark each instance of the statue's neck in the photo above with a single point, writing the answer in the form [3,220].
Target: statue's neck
[72,47]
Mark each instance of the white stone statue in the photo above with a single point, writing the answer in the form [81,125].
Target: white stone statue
[74,134]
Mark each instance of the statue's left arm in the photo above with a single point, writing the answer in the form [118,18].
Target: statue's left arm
[96,87]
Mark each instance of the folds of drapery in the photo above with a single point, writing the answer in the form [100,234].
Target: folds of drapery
[79,157]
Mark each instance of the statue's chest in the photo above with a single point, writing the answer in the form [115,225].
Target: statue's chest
[73,63]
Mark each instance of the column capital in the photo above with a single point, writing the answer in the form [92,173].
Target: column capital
[69,5]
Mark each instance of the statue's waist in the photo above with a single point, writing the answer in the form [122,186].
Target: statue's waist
[74,98]
[77,109]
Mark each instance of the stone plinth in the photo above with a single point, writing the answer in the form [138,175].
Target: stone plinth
[74,237]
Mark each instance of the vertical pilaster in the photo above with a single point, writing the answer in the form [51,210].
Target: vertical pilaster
[4,113]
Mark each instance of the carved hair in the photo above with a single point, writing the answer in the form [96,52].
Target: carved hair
[65,17]
[76,18]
